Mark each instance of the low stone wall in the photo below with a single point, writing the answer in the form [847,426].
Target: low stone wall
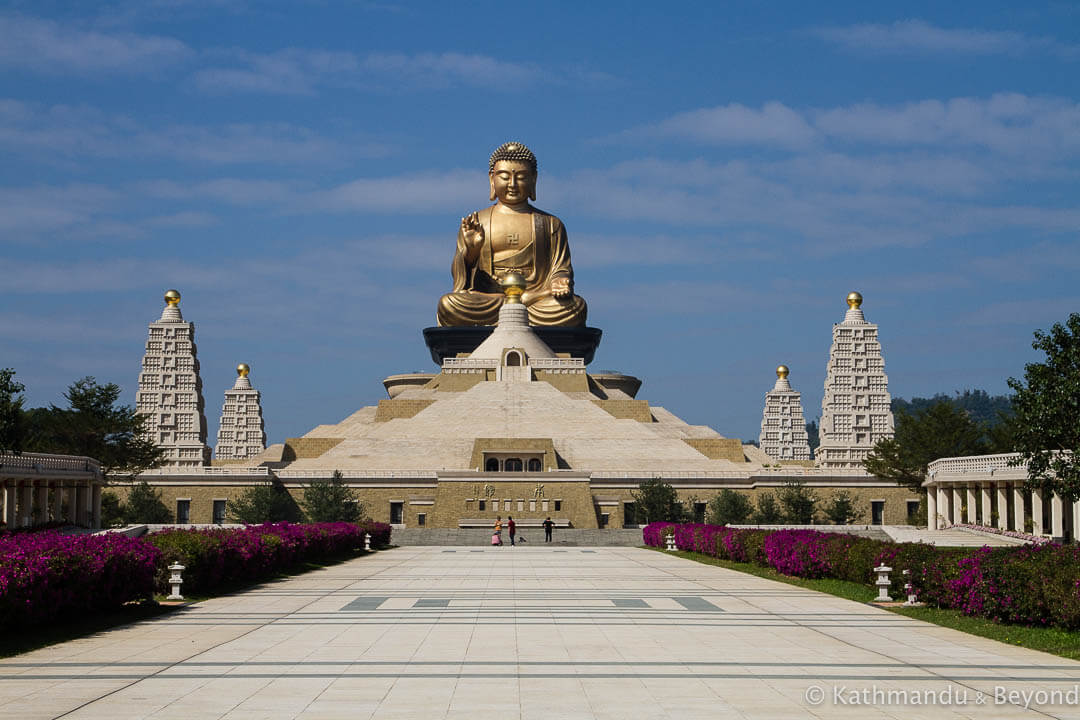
[533,537]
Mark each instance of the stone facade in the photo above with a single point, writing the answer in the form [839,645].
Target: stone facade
[783,427]
[170,388]
[856,410]
[241,434]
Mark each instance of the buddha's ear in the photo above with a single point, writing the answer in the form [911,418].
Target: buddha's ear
[491,183]
[532,189]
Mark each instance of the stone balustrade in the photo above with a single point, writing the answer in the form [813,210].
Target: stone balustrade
[991,491]
[37,488]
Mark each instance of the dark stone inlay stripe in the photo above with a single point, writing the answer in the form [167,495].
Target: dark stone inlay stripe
[366,602]
[432,603]
[629,603]
[697,603]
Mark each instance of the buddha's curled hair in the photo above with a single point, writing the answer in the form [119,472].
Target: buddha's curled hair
[514,152]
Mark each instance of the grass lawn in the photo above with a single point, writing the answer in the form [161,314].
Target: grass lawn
[1063,643]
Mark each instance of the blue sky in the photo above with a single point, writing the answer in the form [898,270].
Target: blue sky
[727,173]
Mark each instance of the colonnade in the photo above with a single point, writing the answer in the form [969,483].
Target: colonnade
[1001,504]
[37,488]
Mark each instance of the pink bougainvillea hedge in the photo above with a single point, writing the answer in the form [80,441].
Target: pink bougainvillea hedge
[1036,585]
[218,557]
[46,576]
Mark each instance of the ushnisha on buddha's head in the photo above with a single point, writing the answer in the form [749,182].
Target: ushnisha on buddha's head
[512,174]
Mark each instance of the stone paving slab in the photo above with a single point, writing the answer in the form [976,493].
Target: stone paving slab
[532,633]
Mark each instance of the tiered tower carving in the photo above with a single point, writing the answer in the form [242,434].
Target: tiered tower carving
[855,412]
[170,389]
[783,428]
[241,434]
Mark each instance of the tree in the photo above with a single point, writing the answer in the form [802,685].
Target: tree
[729,508]
[144,506]
[331,501]
[112,511]
[938,431]
[12,428]
[798,503]
[265,502]
[656,501]
[813,436]
[768,511]
[95,426]
[1047,408]
[841,508]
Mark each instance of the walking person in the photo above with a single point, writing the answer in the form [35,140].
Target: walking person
[512,527]
[547,529]
[496,538]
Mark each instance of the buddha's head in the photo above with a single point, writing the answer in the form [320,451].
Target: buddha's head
[512,174]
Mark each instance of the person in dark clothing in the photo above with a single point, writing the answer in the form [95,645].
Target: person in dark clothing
[547,529]
[512,527]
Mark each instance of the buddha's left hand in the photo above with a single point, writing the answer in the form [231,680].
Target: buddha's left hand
[560,286]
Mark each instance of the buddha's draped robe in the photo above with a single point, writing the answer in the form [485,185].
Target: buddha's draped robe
[477,297]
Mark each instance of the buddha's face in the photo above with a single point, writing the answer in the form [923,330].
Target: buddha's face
[513,183]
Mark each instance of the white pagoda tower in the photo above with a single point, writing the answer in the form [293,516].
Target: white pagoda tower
[241,434]
[855,412]
[170,389]
[783,428]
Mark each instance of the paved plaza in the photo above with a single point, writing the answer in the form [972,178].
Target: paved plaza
[531,632]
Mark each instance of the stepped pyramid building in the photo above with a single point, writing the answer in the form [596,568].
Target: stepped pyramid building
[783,428]
[511,421]
[856,410]
[241,434]
[170,389]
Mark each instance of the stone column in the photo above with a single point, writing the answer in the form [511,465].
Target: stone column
[26,504]
[1076,521]
[1018,507]
[1002,505]
[10,518]
[984,491]
[95,520]
[943,507]
[1037,512]
[1057,517]
[41,502]
[78,512]
[957,505]
[58,500]
[931,508]
[972,511]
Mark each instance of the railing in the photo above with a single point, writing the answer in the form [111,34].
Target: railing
[470,364]
[202,470]
[784,470]
[45,463]
[360,474]
[556,363]
[975,464]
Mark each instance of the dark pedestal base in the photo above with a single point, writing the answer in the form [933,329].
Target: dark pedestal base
[444,342]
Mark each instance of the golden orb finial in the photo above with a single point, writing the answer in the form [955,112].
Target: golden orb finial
[782,371]
[513,285]
[854,300]
[243,369]
[172,298]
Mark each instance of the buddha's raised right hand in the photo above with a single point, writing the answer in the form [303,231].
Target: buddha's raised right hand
[473,232]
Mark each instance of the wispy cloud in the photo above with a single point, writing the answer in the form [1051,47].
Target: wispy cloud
[773,124]
[298,71]
[1007,122]
[917,36]
[80,131]
[46,46]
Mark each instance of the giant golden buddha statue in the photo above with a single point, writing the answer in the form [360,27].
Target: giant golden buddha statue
[512,236]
